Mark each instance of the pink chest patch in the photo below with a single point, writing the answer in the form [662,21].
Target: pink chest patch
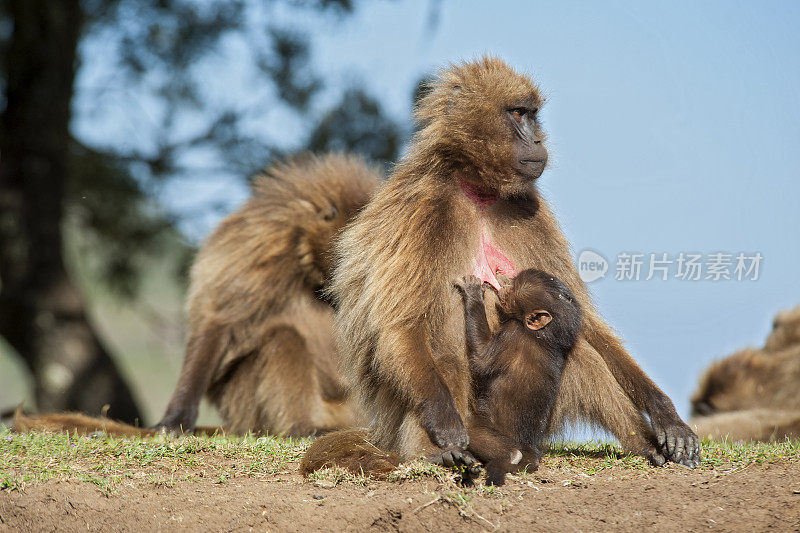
[492,261]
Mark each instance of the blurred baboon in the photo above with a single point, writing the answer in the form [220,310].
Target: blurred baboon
[82,424]
[785,330]
[750,379]
[753,425]
[464,202]
[754,393]
[260,340]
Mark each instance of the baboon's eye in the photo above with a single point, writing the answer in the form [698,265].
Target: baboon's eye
[517,112]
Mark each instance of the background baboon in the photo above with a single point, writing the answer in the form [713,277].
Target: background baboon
[764,425]
[517,369]
[463,201]
[75,423]
[260,339]
[785,330]
[750,379]
[753,394]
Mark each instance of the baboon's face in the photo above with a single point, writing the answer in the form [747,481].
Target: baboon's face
[728,385]
[485,118]
[544,305]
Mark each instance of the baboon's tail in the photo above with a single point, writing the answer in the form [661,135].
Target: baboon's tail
[81,424]
[76,423]
[352,450]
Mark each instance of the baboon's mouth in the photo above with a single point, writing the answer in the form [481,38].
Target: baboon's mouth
[528,161]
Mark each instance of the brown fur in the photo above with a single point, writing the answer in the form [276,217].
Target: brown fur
[352,450]
[516,369]
[400,326]
[75,423]
[749,425]
[81,424]
[753,395]
[750,379]
[260,340]
[785,331]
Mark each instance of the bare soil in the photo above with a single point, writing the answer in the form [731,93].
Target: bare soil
[561,496]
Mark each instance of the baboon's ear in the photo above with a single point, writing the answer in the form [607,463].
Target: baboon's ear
[537,319]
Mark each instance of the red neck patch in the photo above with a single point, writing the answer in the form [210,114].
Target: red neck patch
[478,194]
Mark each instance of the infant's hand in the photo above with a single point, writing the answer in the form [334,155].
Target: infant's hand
[470,287]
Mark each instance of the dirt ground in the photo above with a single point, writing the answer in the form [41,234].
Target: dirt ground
[561,496]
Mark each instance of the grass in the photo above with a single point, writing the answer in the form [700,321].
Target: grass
[106,462]
[27,459]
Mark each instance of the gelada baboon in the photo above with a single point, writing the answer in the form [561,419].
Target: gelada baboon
[74,423]
[463,201]
[516,370]
[260,342]
[753,394]
[785,330]
[750,425]
[750,379]
[260,334]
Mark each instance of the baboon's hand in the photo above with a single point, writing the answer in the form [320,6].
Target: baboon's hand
[177,422]
[455,457]
[470,288]
[677,442]
[440,419]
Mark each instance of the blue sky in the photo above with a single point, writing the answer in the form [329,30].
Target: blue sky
[674,127]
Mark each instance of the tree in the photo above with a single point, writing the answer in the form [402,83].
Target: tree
[49,175]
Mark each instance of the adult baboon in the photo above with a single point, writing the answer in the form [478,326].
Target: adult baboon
[260,338]
[785,330]
[260,328]
[463,202]
[753,394]
[749,425]
[750,379]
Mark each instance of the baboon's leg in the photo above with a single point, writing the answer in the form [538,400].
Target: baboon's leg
[278,390]
[590,393]
[199,365]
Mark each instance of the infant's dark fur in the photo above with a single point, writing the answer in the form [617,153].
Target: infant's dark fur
[517,369]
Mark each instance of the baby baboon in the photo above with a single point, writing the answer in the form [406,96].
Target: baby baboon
[463,201]
[516,370]
[260,339]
